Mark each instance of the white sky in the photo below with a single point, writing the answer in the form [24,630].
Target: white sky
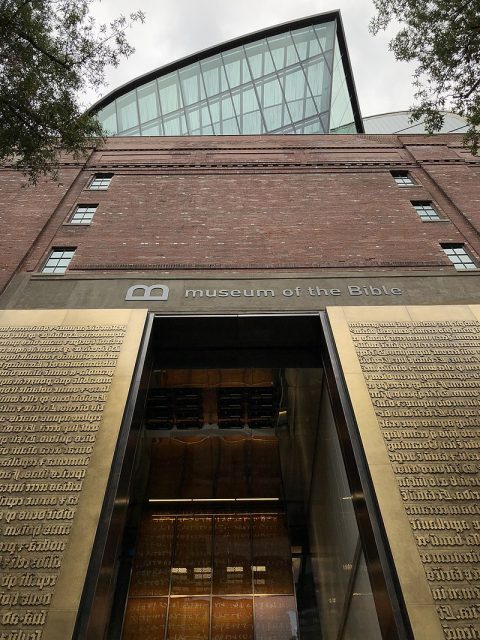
[176,28]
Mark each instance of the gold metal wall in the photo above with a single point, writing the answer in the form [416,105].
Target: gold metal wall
[413,376]
[64,381]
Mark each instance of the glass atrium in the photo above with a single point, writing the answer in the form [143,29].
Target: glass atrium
[281,80]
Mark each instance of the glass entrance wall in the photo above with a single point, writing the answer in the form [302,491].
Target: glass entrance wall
[289,82]
[240,508]
[245,525]
[212,576]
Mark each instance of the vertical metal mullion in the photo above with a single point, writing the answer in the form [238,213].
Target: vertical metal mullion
[172,558]
[329,69]
[307,84]
[138,111]
[281,87]
[230,93]
[160,111]
[255,90]
[212,555]
[184,108]
[250,517]
[206,96]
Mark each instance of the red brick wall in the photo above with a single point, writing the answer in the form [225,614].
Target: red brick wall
[269,202]
[24,211]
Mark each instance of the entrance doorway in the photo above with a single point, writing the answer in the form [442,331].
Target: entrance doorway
[241,522]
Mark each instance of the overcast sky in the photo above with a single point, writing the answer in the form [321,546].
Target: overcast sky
[176,28]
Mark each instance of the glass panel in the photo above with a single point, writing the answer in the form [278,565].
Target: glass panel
[362,621]
[271,92]
[108,119]
[233,469]
[283,50]
[145,618]
[127,111]
[148,102]
[275,117]
[325,34]
[188,619]
[214,76]
[236,68]
[271,563]
[175,125]
[232,618]
[199,120]
[192,565]
[130,132]
[192,84]
[153,557]
[152,130]
[276,618]
[259,57]
[295,89]
[313,127]
[306,42]
[232,570]
[230,127]
[169,90]
[341,108]
[265,468]
[318,79]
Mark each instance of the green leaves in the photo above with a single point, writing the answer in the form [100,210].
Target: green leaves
[50,51]
[444,37]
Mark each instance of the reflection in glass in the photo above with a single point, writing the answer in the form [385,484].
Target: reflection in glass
[145,618]
[274,84]
[272,564]
[148,102]
[362,618]
[169,91]
[127,111]
[188,619]
[153,557]
[192,562]
[276,618]
[232,618]
[232,569]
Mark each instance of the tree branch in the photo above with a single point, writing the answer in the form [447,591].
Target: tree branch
[40,49]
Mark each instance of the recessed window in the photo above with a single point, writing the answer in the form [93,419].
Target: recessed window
[83,214]
[426,211]
[58,260]
[403,178]
[457,254]
[100,182]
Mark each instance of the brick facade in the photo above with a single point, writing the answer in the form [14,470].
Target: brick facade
[260,202]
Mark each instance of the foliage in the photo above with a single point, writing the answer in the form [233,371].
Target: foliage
[443,36]
[50,52]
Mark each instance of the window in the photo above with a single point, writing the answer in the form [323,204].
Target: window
[100,182]
[426,211]
[83,214]
[58,260]
[457,254]
[403,178]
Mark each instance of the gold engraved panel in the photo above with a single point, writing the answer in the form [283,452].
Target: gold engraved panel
[64,380]
[413,375]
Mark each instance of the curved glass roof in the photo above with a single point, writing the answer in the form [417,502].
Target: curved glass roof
[293,78]
[399,122]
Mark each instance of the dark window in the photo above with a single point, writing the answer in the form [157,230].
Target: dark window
[100,182]
[58,260]
[462,260]
[83,214]
[426,211]
[402,178]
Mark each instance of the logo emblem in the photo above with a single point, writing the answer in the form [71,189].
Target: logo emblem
[147,292]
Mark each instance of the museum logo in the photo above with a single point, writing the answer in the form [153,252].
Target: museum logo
[139,292]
